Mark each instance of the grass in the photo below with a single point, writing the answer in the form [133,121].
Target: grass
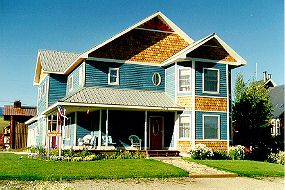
[245,167]
[12,167]
[3,123]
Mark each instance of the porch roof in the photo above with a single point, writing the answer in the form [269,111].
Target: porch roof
[120,99]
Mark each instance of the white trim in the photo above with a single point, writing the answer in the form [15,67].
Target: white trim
[75,129]
[175,80]
[152,30]
[70,88]
[219,126]
[176,130]
[107,128]
[190,126]
[100,129]
[117,77]
[205,96]
[159,78]
[47,91]
[81,76]
[211,111]
[193,103]
[228,109]
[84,73]
[203,81]
[145,130]
[184,68]
[210,61]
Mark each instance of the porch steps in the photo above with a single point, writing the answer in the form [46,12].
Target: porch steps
[163,153]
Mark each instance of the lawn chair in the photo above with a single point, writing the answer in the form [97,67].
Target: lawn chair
[135,141]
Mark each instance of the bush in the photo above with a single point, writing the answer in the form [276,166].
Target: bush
[220,156]
[278,158]
[237,152]
[201,152]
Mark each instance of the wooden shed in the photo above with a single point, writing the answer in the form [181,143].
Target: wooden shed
[16,136]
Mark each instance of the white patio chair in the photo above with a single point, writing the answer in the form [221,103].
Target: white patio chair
[135,141]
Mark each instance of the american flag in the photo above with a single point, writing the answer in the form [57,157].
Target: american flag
[60,111]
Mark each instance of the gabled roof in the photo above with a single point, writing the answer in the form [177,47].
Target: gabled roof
[152,40]
[10,110]
[232,58]
[51,61]
[277,99]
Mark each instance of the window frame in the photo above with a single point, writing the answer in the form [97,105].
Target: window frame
[117,77]
[159,78]
[70,84]
[218,81]
[190,80]
[179,119]
[219,126]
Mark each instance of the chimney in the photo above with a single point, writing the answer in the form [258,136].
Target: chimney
[264,76]
[17,104]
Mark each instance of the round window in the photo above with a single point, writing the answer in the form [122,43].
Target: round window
[156,79]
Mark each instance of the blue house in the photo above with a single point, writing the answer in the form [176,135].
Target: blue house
[150,80]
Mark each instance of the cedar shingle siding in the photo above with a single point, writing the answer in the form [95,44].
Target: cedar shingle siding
[142,46]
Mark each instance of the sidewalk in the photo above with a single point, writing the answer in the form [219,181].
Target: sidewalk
[195,170]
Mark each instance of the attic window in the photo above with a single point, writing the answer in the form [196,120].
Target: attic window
[113,76]
[156,79]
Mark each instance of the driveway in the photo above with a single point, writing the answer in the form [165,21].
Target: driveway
[233,183]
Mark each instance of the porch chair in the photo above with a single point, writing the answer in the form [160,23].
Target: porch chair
[135,141]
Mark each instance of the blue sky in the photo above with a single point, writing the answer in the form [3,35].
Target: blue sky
[253,28]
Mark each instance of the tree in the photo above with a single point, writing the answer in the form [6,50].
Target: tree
[251,115]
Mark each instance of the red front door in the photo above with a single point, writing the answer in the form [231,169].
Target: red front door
[156,128]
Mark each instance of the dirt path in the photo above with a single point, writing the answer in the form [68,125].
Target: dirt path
[238,183]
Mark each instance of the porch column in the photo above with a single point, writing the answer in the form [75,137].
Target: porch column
[107,118]
[100,130]
[145,130]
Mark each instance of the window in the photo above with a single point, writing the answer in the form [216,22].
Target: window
[81,82]
[184,127]
[156,79]
[70,83]
[113,76]
[184,80]
[211,124]
[211,80]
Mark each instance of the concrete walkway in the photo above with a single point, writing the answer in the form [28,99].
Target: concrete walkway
[195,170]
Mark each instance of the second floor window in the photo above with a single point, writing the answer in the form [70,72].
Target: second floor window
[70,83]
[211,80]
[113,76]
[184,80]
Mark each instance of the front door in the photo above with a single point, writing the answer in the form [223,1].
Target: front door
[155,131]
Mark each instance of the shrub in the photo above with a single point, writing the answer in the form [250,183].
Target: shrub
[201,151]
[220,156]
[90,157]
[278,158]
[237,152]
[76,159]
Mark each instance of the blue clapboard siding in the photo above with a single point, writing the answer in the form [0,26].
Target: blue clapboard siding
[57,88]
[81,132]
[132,76]
[75,75]
[223,124]
[199,78]
[170,81]
[42,102]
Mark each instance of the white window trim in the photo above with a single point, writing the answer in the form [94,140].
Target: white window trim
[80,76]
[118,76]
[159,77]
[70,85]
[190,79]
[203,80]
[219,126]
[190,126]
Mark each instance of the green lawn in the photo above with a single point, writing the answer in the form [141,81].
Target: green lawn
[245,167]
[12,167]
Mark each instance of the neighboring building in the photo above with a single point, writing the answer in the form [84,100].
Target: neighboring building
[15,135]
[150,80]
[277,99]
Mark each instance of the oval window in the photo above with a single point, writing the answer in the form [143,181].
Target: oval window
[156,79]
[155,128]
